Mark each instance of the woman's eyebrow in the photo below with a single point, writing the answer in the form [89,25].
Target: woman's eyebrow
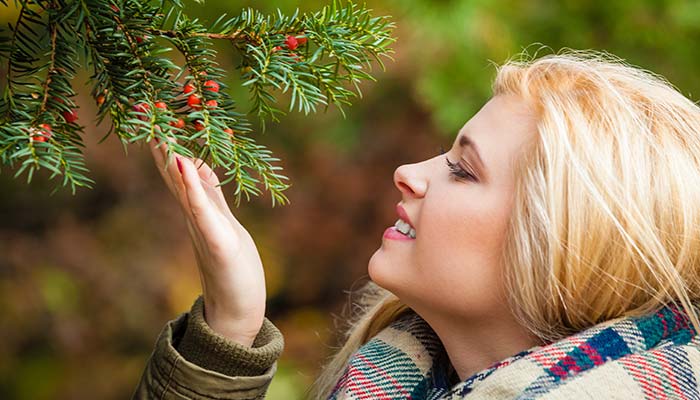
[464,141]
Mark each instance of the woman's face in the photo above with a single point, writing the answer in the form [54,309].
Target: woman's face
[453,266]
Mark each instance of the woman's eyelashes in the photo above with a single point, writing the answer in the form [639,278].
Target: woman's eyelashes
[456,169]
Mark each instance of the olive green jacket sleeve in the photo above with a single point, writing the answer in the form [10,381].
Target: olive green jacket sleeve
[191,361]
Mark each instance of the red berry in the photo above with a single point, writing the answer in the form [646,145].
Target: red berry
[114,8]
[140,39]
[161,105]
[198,125]
[43,134]
[70,116]
[276,48]
[194,102]
[180,123]
[291,42]
[229,131]
[100,99]
[47,128]
[142,107]
[211,85]
[302,40]
[212,103]
[188,88]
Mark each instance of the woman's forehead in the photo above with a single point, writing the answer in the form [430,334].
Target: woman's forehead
[497,130]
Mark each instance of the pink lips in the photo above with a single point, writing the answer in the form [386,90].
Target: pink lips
[392,233]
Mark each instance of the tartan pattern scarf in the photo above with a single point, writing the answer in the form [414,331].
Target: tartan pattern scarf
[655,356]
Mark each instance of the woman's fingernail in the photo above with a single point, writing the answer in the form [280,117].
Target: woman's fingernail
[179,164]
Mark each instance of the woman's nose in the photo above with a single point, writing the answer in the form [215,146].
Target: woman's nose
[409,180]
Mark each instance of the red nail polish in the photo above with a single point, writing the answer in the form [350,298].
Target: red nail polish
[179,164]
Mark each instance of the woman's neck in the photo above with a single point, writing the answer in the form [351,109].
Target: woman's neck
[475,344]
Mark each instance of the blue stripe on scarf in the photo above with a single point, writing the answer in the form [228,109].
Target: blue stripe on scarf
[603,346]
[668,322]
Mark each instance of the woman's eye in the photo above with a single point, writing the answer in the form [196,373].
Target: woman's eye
[456,170]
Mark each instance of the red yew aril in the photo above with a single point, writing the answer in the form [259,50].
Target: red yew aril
[198,125]
[212,103]
[194,102]
[180,123]
[43,135]
[291,42]
[229,131]
[211,85]
[161,105]
[302,40]
[70,116]
[142,107]
[188,88]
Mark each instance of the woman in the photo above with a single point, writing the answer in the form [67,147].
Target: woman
[553,251]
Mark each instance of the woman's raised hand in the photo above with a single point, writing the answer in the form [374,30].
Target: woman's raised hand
[230,269]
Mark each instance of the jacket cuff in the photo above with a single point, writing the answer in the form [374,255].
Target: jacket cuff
[202,346]
[168,375]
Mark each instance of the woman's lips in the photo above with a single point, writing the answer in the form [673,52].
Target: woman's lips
[392,233]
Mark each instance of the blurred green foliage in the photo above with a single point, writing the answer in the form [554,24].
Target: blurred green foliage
[88,281]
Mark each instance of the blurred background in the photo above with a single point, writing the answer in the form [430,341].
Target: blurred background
[87,282]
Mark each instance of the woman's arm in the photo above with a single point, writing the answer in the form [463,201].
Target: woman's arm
[224,348]
[191,361]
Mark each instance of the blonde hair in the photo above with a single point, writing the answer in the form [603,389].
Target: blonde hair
[606,215]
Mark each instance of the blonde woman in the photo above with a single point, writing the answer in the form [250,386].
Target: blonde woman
[552,252]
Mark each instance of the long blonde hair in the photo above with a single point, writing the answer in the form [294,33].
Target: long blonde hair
[606,215]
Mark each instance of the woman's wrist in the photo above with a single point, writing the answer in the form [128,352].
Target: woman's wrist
[202,346]
[242,331]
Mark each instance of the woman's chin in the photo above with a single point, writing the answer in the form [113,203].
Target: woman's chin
[379,268]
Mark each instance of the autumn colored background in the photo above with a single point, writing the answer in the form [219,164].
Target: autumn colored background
[88,281]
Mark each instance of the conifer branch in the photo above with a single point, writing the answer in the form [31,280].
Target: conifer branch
[317,58]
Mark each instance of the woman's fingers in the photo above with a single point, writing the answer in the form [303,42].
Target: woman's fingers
[209,182]
[201,209]
[157,150]
[206,173]
[197,193]
[167,166]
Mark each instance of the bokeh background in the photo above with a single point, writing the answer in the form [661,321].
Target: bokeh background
[88,281]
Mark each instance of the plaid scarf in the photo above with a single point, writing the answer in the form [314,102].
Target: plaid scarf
[656,356]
